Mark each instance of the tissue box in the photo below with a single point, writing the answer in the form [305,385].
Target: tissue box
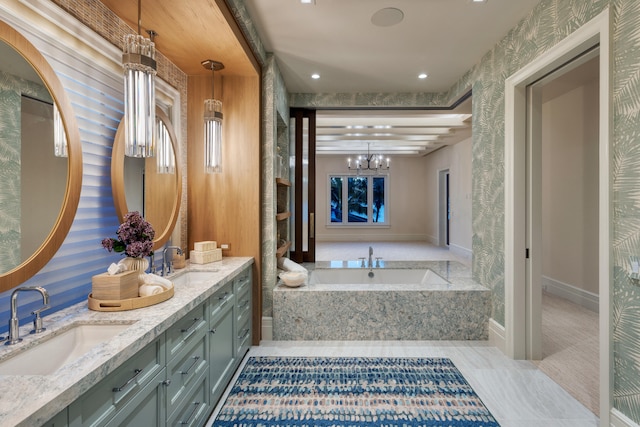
[106,286]
[208,245]
[205,257]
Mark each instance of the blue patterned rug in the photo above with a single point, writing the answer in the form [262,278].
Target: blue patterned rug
[350,392]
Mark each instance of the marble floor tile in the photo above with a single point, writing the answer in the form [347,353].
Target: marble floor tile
[516,392]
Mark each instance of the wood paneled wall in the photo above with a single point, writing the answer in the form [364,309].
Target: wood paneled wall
[225,207]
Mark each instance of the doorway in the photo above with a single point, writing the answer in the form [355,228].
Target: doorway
[521,302]
[444,208]
[562,224]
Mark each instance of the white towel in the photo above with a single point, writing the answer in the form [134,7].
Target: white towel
[154,279]
[116,268]
[288,265]
[148,290]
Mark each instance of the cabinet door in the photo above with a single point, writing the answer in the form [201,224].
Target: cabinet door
[221,351]
[195,409]
[100,403]
[146,409]
[60,420]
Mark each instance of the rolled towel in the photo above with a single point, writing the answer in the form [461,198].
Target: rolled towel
[154,279]
[116,268]
[288,265]
[148,290]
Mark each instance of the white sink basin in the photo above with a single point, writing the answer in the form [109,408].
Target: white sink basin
[193,277]
[55,352]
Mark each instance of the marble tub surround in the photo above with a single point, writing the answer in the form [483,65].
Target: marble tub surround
[459,311]
[34,399]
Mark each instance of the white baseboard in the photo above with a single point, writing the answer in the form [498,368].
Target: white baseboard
[460,251]
[618,419]
[579,296]
[267,328]
[372,237]
[497,335]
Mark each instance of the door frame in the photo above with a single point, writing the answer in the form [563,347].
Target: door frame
[518,299]
[443,198]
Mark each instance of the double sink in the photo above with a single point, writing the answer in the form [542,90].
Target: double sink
[47,355]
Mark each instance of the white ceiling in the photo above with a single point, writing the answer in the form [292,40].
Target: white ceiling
[338,40]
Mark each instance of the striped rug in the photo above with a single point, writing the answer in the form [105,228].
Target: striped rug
[350,392]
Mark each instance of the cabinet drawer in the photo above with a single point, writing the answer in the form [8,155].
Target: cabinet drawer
[220,299]
[243,282]
[146,408]
[196,408]
[184,370]
[186,330]
[243,306]
[102,401]
[243,338]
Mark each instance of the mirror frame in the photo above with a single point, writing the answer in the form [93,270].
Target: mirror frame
[117,179]
[32,265]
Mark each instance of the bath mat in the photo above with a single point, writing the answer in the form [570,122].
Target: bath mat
[352,391]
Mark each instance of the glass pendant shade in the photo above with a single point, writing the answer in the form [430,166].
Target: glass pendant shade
[212,136]
[165,159]
[59,135]
[138,60]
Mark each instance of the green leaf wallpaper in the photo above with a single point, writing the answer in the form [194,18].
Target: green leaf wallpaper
[547,24]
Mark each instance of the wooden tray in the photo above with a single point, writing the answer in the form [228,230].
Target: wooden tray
[129,304]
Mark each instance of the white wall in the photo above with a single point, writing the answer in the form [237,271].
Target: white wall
[413,204]
[570,187]
[407,208]
[456,158]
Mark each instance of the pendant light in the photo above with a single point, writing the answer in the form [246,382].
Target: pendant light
[139,62]
[212,124]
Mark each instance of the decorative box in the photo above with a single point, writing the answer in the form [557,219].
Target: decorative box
[205,246]
[205,257]
[107,286]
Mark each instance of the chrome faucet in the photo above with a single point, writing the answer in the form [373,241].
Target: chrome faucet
[166,266]
[14,322]
[370,255]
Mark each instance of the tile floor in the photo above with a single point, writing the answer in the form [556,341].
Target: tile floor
[516,392]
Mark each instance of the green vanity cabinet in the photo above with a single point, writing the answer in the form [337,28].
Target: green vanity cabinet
[221,348]
[60,420]
[179,378]
[184,372]
[146,408]
[112,395]
[196,408]
[242,291]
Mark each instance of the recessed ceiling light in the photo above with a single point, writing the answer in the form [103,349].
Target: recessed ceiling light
[315,76]
[313,1]
[422,76]
[478,1]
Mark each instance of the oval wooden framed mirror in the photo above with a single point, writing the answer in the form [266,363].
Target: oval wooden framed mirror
[143,185]
[29,69]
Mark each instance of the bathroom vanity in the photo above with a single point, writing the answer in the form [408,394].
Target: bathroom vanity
[165,364]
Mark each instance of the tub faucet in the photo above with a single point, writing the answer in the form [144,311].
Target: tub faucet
[14,322]
[166,266]
[370,255]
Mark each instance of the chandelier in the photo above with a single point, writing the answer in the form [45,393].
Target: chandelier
[371,162]
[139,62]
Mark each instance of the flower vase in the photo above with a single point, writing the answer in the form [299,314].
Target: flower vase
[139,264]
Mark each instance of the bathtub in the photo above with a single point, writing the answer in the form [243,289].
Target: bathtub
[387,276]
[434,300]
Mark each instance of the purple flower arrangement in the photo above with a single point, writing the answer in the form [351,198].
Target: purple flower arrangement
[135,237]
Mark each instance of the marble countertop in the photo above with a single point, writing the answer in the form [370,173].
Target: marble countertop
[28,400]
